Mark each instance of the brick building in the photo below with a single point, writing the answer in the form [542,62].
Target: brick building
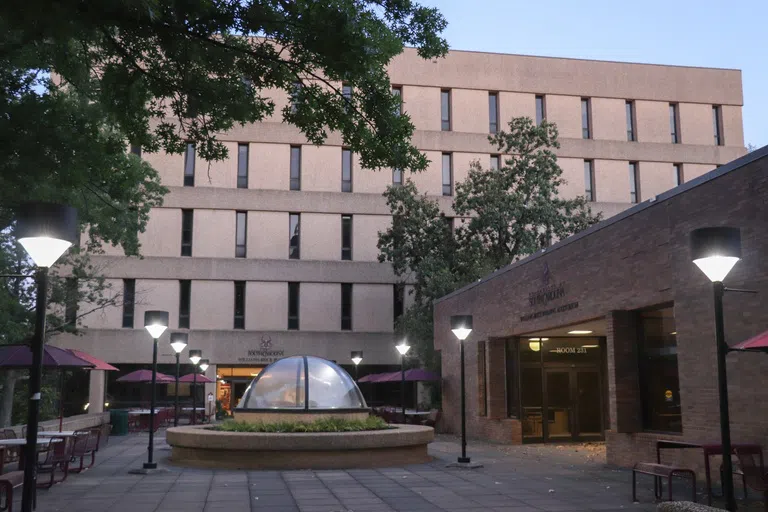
[610,333]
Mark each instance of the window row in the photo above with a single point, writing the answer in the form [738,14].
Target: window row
[239,309]
[634,180]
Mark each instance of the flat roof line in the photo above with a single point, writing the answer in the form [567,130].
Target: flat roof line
[649,203]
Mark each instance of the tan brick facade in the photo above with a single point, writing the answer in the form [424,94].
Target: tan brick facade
[639,259]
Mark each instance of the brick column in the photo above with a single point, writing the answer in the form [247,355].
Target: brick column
[623,380]
[496,378]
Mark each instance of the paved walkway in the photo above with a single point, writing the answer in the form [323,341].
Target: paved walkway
[513,479]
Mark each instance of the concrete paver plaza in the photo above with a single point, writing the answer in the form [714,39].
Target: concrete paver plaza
[513,479]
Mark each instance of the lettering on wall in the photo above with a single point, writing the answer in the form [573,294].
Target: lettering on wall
[549,292]
[265,354]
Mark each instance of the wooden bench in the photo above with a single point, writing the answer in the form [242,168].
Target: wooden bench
[9,482]
[659,471]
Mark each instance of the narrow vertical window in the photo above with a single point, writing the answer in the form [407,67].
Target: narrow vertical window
[239,305]
[585,119]
[346,170]
[129,298]
[493,112]
[187,220]
[673,123]
[70,300]
[541,112]
[346,237]
[634,183]
[189,166]
[295,93]
[630,108]
[495,162]
[294,241]
[447,175]
[346,307]
[717,123]
[678,174]
[445,110]
[589,180]
[398,301]
[242,166]
[293,306]
[185,299]
[241,233]
[346,91]
[397,91]
[295,167]
[397,177]
[136,150]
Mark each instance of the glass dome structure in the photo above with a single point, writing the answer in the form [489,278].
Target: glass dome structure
[302,383]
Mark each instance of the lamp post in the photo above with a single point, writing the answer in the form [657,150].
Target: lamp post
[403,348]
[204,366]
[178,344]
[195,356]
[715,251]
[46,231]
[357,358]
[155,322]
[461,325]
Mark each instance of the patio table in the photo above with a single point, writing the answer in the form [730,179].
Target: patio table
[709,449]
[63,433]
[23,442]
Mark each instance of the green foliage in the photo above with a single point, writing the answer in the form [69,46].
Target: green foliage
[501,216]
[321,425]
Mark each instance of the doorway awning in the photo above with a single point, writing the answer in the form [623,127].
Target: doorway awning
[757,343]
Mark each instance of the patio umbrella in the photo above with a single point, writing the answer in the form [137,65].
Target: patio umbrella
[20,356]
[98,364]
[757,343]
[412,375]
[201,379]
[145,376]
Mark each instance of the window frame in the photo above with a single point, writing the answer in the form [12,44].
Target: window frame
[450,173]
[677,174]
[294,182]
[239,319]
[589,184]
[540,116]
[346,226]
[397,182]
[346,161]
[493,112]
[185,303]
[496,158]
[294,288]
[346,304]
[446,124]
[634,182]
[674,123]
[187,216]
[629,107]
[242,164]
[241,249]
[717,125]
[128,320]
[189,165]
[397,90]
[135,149]
[297,254]
[586,115]
[398,302]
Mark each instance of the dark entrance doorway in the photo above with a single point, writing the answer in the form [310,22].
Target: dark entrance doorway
[561,389]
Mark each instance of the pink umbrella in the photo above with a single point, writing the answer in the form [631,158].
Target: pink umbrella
[146,376]
[98,364]
[201,379]
[757,343]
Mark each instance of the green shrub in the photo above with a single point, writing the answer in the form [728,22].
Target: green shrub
[321,425]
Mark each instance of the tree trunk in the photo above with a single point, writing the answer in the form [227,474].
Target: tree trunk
[6,400]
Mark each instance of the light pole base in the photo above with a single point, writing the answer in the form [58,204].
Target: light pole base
[150,465]
[144,470]
[464,463]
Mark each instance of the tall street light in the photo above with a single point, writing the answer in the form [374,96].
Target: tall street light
[178,344]
[403,348]
[357,358]
[715,251]
[195,356]
[461,325]
[204,363]
[46,231]
[155,322]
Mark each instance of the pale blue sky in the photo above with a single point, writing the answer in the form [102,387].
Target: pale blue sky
[707,33]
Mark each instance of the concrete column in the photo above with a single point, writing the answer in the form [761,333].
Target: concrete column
[96,391]
[210,407]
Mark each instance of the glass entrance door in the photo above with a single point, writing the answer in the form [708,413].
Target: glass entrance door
[589,404]
[559,404]
[573,407]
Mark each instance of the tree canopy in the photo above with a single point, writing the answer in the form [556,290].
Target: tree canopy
[502,215]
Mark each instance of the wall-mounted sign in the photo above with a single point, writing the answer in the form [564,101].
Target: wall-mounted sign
[569,350]
[549,292]
[668,395]
[265,354]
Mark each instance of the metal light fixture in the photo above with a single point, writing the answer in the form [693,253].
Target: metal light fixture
[155,322]
[579,331]
[204,364]
[461,325]
[403,349]
[535,343]
[715,251]
[357,358]
[46,231]
[178,344]
[195,356]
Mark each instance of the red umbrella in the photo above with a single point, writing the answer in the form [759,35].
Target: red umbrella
[20,356]
[98,364]
[146,376]
[201,379]
[757,343]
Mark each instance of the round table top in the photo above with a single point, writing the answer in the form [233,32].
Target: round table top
[63,433]
[23,442]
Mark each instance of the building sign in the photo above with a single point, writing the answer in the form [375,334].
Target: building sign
[569,350]
[265,354]
[549,292]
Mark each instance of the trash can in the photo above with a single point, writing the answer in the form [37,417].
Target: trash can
[119,420]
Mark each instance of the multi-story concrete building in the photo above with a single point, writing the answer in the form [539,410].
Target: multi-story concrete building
[274,251]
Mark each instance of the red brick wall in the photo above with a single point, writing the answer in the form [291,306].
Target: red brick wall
[640,261]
